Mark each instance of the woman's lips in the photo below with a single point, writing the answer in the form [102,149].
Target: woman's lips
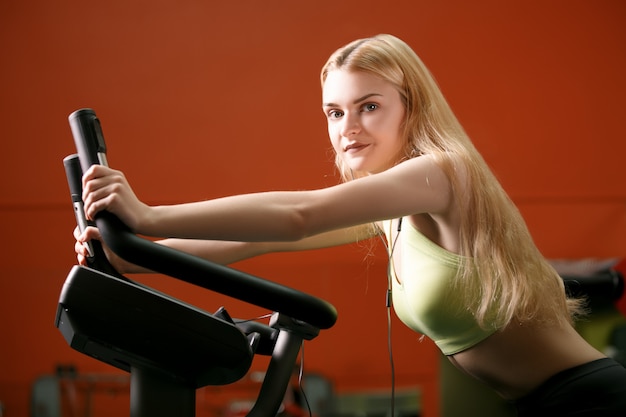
[355,147]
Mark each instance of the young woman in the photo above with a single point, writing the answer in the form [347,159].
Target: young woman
[463,268]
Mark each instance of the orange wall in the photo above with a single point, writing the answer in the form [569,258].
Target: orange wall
[201,99]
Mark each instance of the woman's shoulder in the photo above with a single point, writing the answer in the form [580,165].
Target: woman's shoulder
[442,172]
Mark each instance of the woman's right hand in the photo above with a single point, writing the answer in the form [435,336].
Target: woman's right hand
[92,233]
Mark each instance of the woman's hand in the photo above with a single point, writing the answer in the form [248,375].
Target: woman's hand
[92,233]
[107,189]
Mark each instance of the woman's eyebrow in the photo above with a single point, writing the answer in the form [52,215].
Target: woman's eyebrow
[358,100]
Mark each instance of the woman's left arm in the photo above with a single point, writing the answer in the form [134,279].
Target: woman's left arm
[414,186]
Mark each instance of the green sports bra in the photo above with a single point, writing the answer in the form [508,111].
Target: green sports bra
[424,299]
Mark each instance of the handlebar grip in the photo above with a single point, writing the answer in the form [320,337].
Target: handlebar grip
[97,258]
[88,138]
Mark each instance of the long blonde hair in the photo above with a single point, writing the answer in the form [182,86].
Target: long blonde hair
[516,282]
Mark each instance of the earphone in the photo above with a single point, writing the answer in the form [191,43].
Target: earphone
[388,304]
[390,262]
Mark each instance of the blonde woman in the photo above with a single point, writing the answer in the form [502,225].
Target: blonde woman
[464,270]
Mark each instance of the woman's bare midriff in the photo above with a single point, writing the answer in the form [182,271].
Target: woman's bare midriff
[516,360]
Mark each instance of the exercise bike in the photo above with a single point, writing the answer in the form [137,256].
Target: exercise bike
[169,347]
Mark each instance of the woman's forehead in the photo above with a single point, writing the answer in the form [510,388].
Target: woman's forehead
[342,85]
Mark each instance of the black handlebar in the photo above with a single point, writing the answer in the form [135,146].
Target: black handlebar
[88,138]
[96,258]
[89,141]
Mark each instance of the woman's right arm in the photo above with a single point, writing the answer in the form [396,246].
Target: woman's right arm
[226,252]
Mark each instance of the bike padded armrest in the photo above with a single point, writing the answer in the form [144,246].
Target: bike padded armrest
[215,277]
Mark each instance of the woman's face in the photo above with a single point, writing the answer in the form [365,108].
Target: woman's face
[365,115]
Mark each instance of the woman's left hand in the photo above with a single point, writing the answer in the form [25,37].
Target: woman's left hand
[107,189]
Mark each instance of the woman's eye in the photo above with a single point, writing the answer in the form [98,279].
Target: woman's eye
[335,114]
[370,107]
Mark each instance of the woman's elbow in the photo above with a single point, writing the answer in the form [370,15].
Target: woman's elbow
[302,224]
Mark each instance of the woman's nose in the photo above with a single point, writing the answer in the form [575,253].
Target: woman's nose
[351,125]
